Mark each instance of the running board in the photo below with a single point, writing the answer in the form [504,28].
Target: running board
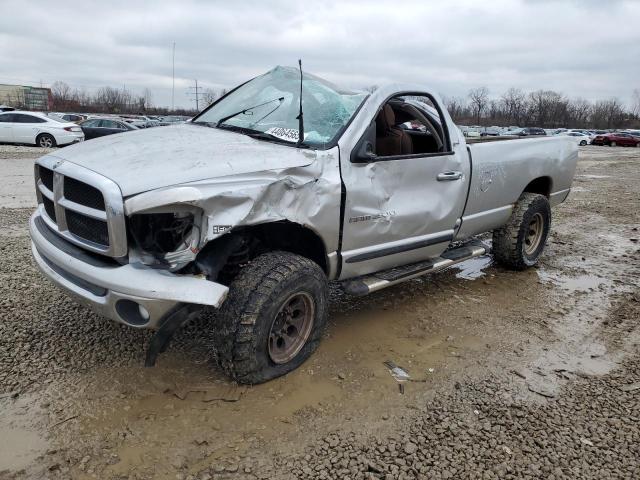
[373,282]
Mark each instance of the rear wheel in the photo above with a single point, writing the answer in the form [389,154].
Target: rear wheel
[45,140]
[273,318]
[520,242]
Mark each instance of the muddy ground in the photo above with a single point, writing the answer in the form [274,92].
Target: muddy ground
[513,374]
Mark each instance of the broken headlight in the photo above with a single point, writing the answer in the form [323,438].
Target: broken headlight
[166,238]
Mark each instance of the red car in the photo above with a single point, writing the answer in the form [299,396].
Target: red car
[615,139]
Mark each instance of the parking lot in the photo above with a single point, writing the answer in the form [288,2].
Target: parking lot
[531,374]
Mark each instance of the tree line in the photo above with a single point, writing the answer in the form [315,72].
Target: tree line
[108,100]
[515,107]
[542,108]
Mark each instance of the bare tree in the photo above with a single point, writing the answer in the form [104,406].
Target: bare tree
[635,103]
[479,98]
[579,112]
[148,99]
[455,106]
[209,95]
[61,96]
[608,114]
[514,104]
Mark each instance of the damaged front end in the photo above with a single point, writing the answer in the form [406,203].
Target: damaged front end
[166,238]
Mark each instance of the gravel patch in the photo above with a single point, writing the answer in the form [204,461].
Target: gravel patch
[478,431]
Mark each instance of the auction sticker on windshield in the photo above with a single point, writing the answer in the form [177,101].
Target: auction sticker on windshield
[288,134]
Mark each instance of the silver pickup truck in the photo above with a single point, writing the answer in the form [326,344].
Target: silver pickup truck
[284,184]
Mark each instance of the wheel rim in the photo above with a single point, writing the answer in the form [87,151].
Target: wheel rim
[291,327]
[46,142]
[534,234]
[613,144]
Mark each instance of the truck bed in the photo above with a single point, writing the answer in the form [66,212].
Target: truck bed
[502,168]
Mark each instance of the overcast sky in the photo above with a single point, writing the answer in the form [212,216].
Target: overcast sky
[583,48]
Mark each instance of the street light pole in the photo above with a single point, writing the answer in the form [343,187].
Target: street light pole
[173,77]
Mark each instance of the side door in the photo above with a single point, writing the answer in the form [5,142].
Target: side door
[6,127]
[26,128]
[111,127]
[406,178]
[626,140]
[89,128]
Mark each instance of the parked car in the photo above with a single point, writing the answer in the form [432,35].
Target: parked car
[33,128]
[581,139]
[633,133]
[252,208]
[616,138]
[533,131]
[136,122]
[99,127]
[490,131]
[525,132]
[70,117]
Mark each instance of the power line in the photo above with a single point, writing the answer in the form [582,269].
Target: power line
[195,92]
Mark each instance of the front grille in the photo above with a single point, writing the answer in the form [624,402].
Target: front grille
[76,208]
[88,228]
[49,208]
[46,176]
[83,194]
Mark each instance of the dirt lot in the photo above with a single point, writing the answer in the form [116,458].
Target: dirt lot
[533,374]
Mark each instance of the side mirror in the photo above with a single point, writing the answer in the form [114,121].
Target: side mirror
[365,153]
[365,150]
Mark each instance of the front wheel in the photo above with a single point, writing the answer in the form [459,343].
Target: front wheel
[613,144]
[46,140]
[273,318]
[520,242]
[583,143]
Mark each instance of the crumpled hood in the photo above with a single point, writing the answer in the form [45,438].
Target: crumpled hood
[162,156]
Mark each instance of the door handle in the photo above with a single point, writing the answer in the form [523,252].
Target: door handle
[449,176]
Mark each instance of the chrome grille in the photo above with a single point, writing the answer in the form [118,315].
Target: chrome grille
[88,228]
[83,194]
[81,206]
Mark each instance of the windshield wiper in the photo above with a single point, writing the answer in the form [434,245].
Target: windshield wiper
[229,117]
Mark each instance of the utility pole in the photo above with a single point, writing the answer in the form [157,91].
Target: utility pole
[196,94]
[173,77]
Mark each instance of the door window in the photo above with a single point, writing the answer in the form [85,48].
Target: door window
[22,118]
[410,125]
[7,118]
[108,124]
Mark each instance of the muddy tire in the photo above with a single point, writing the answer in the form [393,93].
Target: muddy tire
[519,244]
[273,318]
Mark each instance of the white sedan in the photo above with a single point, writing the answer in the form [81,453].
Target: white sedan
[37,129]
[581,139]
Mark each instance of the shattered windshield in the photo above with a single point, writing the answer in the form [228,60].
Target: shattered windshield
[269,104]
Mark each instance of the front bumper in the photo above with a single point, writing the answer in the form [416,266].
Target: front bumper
[113,290]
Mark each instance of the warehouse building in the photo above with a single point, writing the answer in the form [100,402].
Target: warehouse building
[25,97]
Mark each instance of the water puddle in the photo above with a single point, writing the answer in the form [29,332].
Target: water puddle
[593,176]
[579,283]
[473,268]
[21,441]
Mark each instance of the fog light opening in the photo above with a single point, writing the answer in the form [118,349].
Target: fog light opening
[132,313]
[144,313]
